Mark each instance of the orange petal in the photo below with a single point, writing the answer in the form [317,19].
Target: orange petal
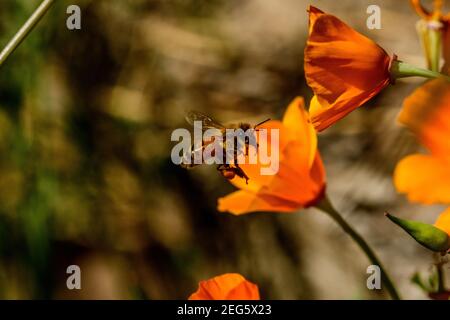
[244,291]
[314,13]
[288,191]
[295,183]
[317,172]
[296,119]
[427,113]
[344,69]
[242,202]
[443,221]
[424,179]
[253,171]
[229,286]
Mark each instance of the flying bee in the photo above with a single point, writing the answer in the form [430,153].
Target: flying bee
[244,138]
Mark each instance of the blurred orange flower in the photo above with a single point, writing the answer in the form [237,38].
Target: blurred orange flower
[343,68]
[443,221]
[426,178]
[300,180]
[229,286]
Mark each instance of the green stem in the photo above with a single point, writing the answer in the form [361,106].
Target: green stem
[435,39]
[440,274]
[326,206]
[400,69]
[25,30]
[441,287]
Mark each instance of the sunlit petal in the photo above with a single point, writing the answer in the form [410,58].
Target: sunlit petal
[229,286]
[423,179]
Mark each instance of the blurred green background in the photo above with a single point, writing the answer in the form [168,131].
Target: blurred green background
[85,170]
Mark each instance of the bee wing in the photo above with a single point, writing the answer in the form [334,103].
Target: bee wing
[188,157]
[207,122]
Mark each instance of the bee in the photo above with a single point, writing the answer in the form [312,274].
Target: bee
[227,170]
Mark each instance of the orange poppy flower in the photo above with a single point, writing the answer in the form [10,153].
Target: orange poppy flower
[229,286]
[426,178]
[300,180]
[343,68]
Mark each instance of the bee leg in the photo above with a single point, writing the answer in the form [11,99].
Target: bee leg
[240,173]
[256,146]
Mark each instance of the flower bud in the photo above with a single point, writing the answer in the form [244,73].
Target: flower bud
[430,33]
[427,235]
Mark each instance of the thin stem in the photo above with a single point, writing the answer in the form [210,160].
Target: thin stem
[25,30]
[401,69]
[441,280]
[326,206]
[440,264]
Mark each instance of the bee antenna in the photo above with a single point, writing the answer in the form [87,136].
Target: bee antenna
[261,123]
